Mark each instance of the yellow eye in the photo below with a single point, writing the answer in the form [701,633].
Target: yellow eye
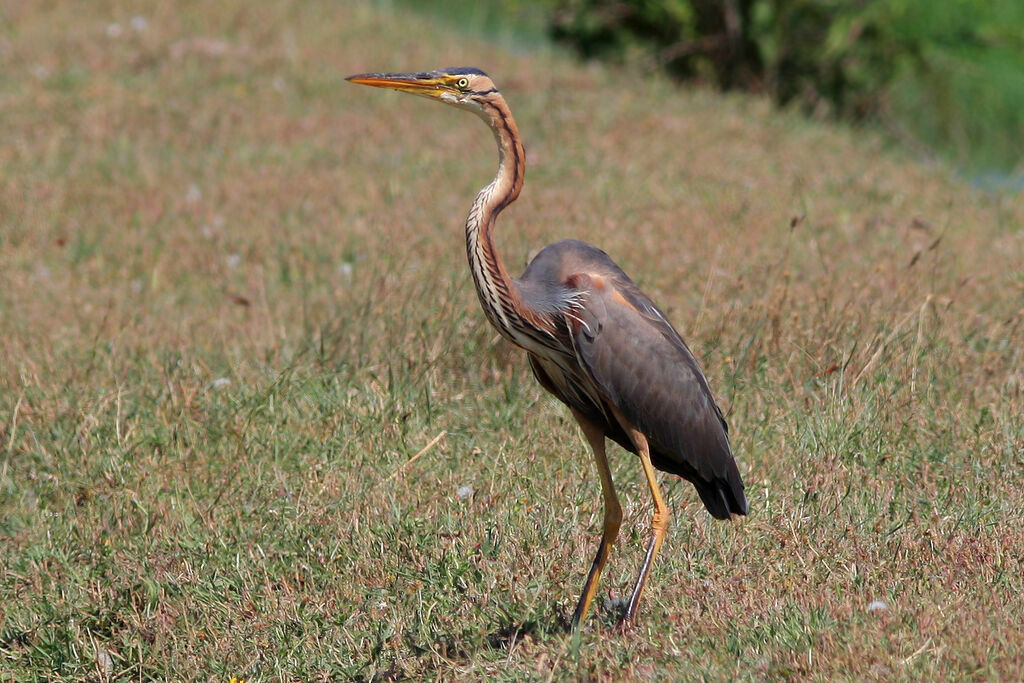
[462,83]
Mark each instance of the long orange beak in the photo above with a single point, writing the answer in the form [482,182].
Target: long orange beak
[426,84]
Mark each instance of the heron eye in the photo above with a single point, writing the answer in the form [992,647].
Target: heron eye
[462,83]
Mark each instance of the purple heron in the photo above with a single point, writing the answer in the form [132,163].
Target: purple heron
[593,339]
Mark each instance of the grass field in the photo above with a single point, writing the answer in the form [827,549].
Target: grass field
[243,372]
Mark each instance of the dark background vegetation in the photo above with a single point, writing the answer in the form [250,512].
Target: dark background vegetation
[942,78]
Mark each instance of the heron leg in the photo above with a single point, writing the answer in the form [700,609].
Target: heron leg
[659,524]
[612,517]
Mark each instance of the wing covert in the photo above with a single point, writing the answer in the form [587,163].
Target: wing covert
[649,374]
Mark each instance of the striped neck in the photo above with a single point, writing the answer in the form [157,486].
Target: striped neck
[497,291]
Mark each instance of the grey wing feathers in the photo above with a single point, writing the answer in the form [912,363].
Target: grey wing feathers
[646,370]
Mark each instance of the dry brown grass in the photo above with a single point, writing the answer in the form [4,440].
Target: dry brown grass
[207,200]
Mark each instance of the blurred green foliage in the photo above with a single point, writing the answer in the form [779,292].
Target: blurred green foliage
[945,73]
[517,24]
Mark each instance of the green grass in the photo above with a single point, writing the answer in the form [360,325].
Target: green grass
[243,373]
[512,24]
[962,92]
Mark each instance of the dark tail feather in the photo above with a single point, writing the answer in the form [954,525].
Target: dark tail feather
[722,498]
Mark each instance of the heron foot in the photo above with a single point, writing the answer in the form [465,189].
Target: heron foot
[625,626]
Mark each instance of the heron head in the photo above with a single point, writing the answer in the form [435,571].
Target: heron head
[459,86]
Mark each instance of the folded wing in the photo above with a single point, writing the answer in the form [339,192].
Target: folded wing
[649,374]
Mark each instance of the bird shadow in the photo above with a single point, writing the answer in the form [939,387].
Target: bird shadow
[511,632]
[505,635]
[512,628]
[609,614]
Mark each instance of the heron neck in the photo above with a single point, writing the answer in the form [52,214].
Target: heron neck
[498,293]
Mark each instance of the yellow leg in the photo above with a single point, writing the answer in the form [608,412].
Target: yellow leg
[612,518]
[661,514]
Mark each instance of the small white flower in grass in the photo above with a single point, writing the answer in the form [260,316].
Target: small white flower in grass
[877,606]
[345,269]
[210,230]
[464,492]
[114,30]
[194,194]
[104,661]
[221,383]
[234,260]
[139,23]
